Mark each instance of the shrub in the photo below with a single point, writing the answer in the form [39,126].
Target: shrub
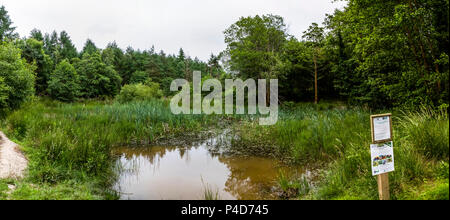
[64,83]
[139,92]
[16,78]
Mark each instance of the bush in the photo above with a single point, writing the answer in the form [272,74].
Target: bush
[16,78]
[139,92]
[64,83]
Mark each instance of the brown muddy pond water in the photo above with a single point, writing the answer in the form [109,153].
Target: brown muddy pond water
[183,173]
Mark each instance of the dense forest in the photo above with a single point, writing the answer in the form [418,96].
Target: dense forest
[380,54]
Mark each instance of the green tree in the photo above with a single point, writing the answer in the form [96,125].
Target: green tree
[139,77]
[214,68]
[67,49]
[181,56]
[113,55]
[254,44]
[391,53]
[33,53]
[315,35]
[155,68]
[64,83]
[97,78]
[16,78]
[297,83]
[134,60]
[37,34]
[338,50]
[7,31]
[51,46]
[89,47]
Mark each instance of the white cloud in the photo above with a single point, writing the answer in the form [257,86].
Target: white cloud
[195,25]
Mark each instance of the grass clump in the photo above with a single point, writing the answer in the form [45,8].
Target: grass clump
[293,187]
[209,193]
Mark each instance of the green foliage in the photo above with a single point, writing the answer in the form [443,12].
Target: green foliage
[6,28]
[377,54]
[64,83]
[33,53]
[442,170]
[254,44]
[51,47]
[100,77]
[139,77]
[428,132]
[37,35]
[97,78]
[67,50]
[439,192]
[394,53]
[214,68]
[16,78]
[297,82]
[314,34]
[57,47]
[89,48]
[112,55]
[3,189]
[139,92]
[64,191]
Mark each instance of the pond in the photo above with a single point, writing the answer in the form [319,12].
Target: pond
[184,173]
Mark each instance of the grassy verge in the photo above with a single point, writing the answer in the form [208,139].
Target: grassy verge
[69,145]
[338,140]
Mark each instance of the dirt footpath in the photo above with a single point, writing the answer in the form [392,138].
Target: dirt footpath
[12,161]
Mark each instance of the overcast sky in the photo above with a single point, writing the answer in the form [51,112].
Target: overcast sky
[195,25]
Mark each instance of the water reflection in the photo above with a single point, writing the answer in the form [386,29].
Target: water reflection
[177,173]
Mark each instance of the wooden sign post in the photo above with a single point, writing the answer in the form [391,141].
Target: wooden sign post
[383,186]
[382,152]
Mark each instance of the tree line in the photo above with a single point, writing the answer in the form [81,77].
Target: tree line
[53,67]
[381,54]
